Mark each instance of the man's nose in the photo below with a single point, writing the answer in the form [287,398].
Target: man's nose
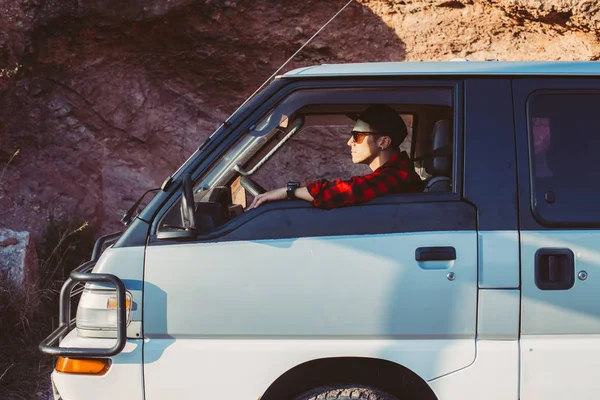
[350,142]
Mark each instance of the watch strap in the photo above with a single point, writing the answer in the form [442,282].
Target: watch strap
[291,189]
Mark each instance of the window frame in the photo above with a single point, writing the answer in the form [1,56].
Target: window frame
[523,88]
[538,214]
[390,86]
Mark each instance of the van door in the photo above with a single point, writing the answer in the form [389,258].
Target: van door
[558,136]
[227,313]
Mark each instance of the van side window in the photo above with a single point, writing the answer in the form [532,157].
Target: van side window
[305,137]
[319,151]
[564,146]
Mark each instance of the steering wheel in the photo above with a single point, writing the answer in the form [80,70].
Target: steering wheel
[251,187]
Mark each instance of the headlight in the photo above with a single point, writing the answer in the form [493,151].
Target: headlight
[97,310]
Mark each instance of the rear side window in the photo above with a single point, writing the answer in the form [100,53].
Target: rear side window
[564,144]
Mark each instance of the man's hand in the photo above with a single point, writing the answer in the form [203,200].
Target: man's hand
[279,194]
[271,195]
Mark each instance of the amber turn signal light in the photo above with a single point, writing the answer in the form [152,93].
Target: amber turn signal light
[68,365]
[111,304]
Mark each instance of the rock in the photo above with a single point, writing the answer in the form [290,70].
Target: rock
[18,258]
[583,14]
[114,96]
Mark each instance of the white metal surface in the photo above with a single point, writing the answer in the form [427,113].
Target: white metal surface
[244,369]
[289,295]
[573,311]
[498,259]
[124,380]
[498,312]
[560,339]
[560,367]
[448,68]
[493,376]
[352,286]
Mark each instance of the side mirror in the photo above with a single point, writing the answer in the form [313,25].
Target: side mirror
[188,209]
[210,212]
[188,230]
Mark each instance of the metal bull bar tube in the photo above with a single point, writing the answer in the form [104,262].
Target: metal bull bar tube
[81,275]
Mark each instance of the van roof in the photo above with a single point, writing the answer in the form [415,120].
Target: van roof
[583,68]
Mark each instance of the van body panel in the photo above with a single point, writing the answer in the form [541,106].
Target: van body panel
[562,312]
[498,312]
[557,367]
[353,286]
[560,329]
[493,376]
[367,287]
[557,146]
[498,253]
[445,68]
[124,379]
[257,363]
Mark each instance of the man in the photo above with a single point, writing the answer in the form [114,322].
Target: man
[375,141]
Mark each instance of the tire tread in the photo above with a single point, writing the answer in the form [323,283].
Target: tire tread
[345,392]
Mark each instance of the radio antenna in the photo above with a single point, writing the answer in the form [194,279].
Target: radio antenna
[291,58]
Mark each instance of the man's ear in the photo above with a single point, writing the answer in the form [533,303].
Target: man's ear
[384,142]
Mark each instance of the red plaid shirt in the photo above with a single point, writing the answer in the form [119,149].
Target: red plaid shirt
[395,176]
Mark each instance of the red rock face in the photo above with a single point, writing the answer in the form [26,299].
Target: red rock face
[18,258]
[109,99]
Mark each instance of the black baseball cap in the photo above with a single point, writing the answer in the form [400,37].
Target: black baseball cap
[381,120]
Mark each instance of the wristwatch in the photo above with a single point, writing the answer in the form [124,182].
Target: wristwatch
[291,188]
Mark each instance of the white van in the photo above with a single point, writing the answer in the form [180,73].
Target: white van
[486,286]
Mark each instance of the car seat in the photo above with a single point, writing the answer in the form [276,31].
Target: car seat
[438,161]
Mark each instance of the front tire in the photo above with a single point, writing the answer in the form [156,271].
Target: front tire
[345,392]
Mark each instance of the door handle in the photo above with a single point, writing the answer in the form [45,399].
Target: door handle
[444,253]
[554,269]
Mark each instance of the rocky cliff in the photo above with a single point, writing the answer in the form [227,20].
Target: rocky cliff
[104,99]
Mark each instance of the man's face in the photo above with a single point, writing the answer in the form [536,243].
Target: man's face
[363,147]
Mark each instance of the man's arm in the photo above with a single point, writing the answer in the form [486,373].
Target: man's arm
[280,194]
[357,189]
[331,194]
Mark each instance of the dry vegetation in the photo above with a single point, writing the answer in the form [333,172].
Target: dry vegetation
[28,316]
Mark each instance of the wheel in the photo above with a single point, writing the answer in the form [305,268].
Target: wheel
[345,392]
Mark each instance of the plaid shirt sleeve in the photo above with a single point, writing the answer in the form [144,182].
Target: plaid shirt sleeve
[358,189]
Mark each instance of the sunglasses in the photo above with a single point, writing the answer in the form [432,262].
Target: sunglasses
[359,137]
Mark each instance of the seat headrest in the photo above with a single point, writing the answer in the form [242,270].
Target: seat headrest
[441,137]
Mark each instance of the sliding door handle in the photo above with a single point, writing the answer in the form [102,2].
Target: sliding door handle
[444,253]
[554,269]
